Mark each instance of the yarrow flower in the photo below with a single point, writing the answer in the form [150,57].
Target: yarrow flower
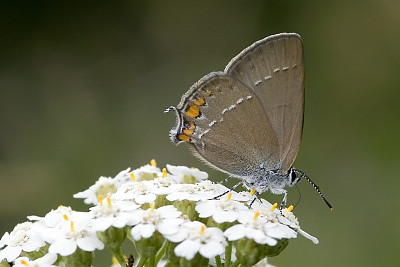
[140,192]
[253,226]
[45,261]
[203,190]
[22,238]
[195,237]
[102,187]
[183,174]
[147,172]
[71,232]
[165,220]
[173,216]
[58,216]
[112,214]
[221,210]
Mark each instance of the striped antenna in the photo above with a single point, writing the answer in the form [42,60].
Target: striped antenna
[318,190]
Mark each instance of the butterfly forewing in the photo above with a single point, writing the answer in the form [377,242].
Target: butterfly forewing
[274,69]
[229,113]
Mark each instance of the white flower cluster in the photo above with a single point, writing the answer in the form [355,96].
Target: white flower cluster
[171,217]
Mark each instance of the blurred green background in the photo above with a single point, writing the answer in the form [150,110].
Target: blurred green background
[83,87]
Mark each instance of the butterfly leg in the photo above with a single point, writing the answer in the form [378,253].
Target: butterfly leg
[256,195]
[226,192]
[284,200]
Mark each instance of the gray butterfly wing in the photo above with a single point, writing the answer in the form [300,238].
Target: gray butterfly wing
[274,69]
[230,130]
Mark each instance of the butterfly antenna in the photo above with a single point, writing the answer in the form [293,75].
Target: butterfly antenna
[226,192]
[318,190]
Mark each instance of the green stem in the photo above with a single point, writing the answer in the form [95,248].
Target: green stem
[152,261]
[228,254]
[218,261]
[142,261]
[118,255]
[161,252]
[236,263]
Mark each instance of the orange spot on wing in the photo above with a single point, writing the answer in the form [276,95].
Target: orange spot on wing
[188,131]
[193,111]
[199,102]
[184,138]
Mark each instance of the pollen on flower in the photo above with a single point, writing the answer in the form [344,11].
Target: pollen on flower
[153,163]
[203,227]
[252,192]
[256,215]
[72,226]
[65,217]
[24,263]
[274,206]
[133,177]
[109,200]
[229,196]
[290,208]
[100,198]
[164,172]
[152,206]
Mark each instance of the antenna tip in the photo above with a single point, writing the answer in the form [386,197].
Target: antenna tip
[331,209]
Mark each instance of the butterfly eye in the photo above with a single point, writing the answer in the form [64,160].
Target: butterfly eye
[293,177]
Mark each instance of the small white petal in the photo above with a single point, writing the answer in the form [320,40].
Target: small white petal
[142,231]
[4,239]
[49,258]
[227,216]
[270,241]
[63,247]
[259,237]
[33,218]
[103,223]
[211,249]
[169,212]
[135,217]
[168,227]
[10,253]
[205,209]
[89,243]
[178,236]
[235,232]
[187,249]
[148,198]
[287,222]
[279,231]
[307,235]
[33,244]
[216,234]
[122,220]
